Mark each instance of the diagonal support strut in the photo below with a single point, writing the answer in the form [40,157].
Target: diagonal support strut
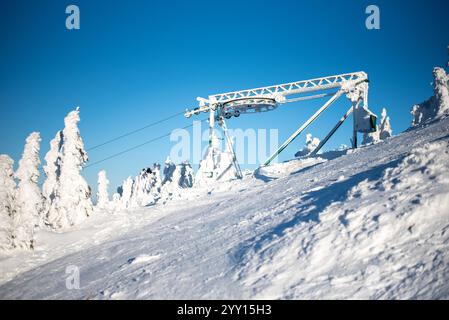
[304,126]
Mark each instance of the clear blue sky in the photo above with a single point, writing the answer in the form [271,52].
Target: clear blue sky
[134,62]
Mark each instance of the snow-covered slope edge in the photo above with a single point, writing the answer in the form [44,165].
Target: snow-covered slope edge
[388,237]
[370,224]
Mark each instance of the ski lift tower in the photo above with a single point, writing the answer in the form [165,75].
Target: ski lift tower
[233,104]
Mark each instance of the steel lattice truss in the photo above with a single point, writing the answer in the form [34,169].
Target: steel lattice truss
[277,93]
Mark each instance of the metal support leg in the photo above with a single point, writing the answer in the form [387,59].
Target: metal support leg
[303,127]
[231,148]
[339,123]
[354,131]
[211,126]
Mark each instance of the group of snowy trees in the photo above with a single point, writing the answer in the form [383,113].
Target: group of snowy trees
[65,196]
[21,201]
[152,186]
[148,187]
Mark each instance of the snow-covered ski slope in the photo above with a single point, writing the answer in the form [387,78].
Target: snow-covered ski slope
[373,223]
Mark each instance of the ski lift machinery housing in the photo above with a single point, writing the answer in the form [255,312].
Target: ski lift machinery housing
[233,104]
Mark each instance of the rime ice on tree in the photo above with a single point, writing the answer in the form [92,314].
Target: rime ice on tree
[72,199]
[311,144]
[7,201]
[29,196]
[102,194]
[126,191]
[436,106]
[52,171]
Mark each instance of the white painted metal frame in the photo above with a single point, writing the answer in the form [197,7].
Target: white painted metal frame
[354,85]
[278,92]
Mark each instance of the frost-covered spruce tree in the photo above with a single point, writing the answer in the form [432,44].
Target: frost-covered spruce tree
[385,130]
[437,105]
[115,204]
[187,175]
[102,194]
[29,196]
[52,170]
[441,90]
[171,188]
[126,193]
[169,170]
[142,194]
[157,180]
[7,201]
[73,203]
[311,144]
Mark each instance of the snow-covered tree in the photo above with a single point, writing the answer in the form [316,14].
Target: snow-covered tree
[126,191]
[116,202]
[29,196]
[170,188]
[142,194]
[52,171]
[385,130]
[436,106]
[72,198]
[186,175]
[102,193]
[169,170]
[7,201]
[157,180]
[311,144]
[143,190]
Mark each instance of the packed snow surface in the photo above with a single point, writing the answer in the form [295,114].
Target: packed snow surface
[370,223]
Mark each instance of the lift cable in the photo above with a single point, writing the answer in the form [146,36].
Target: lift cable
[137,146]
[134,131]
